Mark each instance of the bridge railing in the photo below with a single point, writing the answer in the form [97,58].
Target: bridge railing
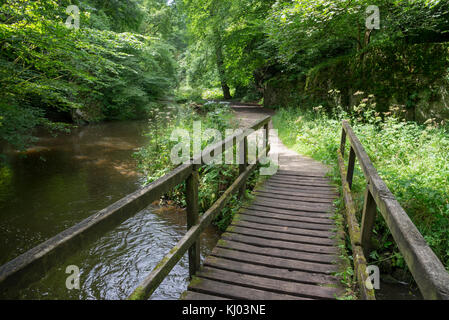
[35,263]
[195,224]
[425,267]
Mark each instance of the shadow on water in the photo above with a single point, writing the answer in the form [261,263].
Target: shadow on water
[391,289]
[65,179]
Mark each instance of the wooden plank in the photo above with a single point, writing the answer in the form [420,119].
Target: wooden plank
[299,181]
[192,211]
[294,198]
[306,200]
[283,223]
[299,185]
[310,189]
[351,164]
[243,160]
[190,295]
[285,229]
[299,173]
[207,286]
[297,193]
[280,236]
[297,202]
[368,219]
[279,174]
[321,215]
[296,207]
[318,180]
[289,217]
[268,261]
[271,272]
[354,234]
[269,284]
[278,244]
[280,253]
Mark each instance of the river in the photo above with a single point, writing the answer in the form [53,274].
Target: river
[63,180]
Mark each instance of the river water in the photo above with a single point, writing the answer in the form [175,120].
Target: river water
[65,179]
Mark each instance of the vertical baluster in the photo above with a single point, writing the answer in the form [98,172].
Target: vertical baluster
[343,142]
[351,163]
[266,132]
[243,162]
[368,219]
[192,183]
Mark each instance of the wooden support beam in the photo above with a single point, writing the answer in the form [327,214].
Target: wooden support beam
[266,133]
[354,234]
[193,218]
[243,163]
[343,142]
[351,165]
[368,219]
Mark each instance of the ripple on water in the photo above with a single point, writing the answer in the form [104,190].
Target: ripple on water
[115,264]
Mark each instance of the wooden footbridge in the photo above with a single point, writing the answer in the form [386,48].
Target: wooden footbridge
[284,245]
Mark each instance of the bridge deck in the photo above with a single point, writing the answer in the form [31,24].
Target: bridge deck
[282,246]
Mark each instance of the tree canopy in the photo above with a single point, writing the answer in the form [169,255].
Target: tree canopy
[128,54]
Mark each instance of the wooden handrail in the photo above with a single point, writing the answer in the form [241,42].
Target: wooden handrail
[195,225]
[41,258]
[427,270]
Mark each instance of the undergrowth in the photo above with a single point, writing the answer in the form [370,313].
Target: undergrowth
[154,159]
[412,159]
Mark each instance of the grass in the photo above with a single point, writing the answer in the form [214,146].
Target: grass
[412,159]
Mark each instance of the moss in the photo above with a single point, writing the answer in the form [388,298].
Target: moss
[329,285]
[138,294]
[222,243]
[195,281]
[160,264]
[237,217]
[183,295]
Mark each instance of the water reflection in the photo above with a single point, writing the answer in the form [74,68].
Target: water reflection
[63,180]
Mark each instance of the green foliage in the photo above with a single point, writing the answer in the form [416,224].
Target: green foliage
[154,159]
[226,42]
[410,158]
[321,45]
[88,74]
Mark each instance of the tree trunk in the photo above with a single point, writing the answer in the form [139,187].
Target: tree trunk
[220,66]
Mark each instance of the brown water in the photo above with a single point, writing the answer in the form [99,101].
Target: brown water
[65,179]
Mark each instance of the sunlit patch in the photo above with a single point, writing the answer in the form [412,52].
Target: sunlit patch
[34,150]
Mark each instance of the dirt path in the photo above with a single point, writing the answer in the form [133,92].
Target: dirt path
[288,159]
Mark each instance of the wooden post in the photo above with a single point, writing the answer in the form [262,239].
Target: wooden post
[266,132]
[193,218]
[343,142]
[351,163]
[368,219]
[243,163]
